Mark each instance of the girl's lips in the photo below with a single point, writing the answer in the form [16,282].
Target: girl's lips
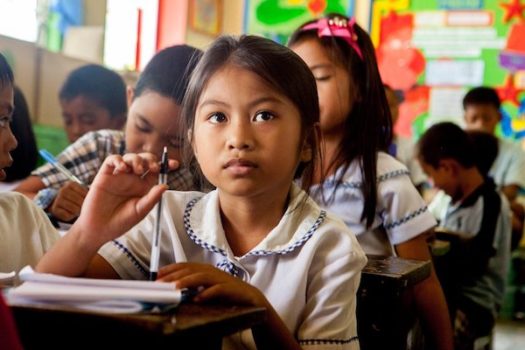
[240,167]
[2,174]
[240,163]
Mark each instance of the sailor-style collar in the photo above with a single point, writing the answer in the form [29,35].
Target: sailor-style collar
[300,221]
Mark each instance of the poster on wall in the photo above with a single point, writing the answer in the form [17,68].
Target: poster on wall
[436,50]
[278,19]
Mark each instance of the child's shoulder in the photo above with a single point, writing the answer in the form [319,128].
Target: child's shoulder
[388,166]
[509,149]
[101,135]
[17,203]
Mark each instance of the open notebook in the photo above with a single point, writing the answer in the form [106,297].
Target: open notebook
[114,296]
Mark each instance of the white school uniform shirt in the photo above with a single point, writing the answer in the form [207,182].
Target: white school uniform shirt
[308,266]
[509,166]
[401,213]
[489,289]
[25,232]
[405,153]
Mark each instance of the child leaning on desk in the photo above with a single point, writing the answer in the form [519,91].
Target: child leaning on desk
[468,203]
[25,232]
[250,115]
[152,123]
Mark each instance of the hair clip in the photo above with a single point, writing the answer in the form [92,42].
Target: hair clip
[337,27]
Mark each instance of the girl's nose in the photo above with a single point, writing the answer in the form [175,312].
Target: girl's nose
[240,137]
[154,146]
[12,142]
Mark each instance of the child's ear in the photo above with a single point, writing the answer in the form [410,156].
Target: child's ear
[130,93]
[312,140]
[450,165]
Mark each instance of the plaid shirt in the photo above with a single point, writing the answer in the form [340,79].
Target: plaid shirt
[84,158]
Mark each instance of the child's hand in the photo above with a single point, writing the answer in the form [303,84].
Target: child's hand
[68,202]
[218,285]
[122,194]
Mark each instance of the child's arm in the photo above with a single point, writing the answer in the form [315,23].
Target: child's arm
[272,334]
[118,199]
[428,296]
[30,186]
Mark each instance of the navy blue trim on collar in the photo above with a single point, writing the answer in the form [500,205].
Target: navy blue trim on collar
[214,249]
[327,341]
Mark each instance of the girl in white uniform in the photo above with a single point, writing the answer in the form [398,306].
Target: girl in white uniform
[258,239]
[358,181]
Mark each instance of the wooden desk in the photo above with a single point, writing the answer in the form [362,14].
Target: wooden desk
[381,314]
[189,327]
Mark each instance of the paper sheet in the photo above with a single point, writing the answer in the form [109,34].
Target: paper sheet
[113,296]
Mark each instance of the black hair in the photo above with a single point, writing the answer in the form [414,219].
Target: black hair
[99,84]
[168,72]
[278,66]
[486,148]
[6,73]
[482,95]
[25,155]
[368,127]
[446,140]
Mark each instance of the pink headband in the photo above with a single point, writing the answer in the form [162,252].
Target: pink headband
[337,27]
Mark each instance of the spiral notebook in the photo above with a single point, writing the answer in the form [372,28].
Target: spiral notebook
[102,295]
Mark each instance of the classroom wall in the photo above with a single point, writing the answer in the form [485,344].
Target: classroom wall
[95,12]
[232,21]
[21,55]
[41,85]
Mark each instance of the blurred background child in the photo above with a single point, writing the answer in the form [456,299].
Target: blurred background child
[92,98]
[25,155]
[470,206]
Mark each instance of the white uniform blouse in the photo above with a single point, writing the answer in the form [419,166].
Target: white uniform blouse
[25,232]
[308,266]
[401,213]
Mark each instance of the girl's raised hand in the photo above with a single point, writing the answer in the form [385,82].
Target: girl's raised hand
[122,194]
[217,284]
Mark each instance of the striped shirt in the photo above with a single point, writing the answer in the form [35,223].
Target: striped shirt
[85,157]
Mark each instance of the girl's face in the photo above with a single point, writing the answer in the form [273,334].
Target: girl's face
[153,122]
[7,139]
[246,136]
[334,85]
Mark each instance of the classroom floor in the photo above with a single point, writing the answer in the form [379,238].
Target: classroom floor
[509,335]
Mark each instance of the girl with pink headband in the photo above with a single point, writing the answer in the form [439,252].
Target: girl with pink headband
[370,190]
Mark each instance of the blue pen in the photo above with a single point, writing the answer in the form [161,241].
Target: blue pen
[50,159]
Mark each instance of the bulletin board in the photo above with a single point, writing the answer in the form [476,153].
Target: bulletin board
[277,19]
[435,50]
